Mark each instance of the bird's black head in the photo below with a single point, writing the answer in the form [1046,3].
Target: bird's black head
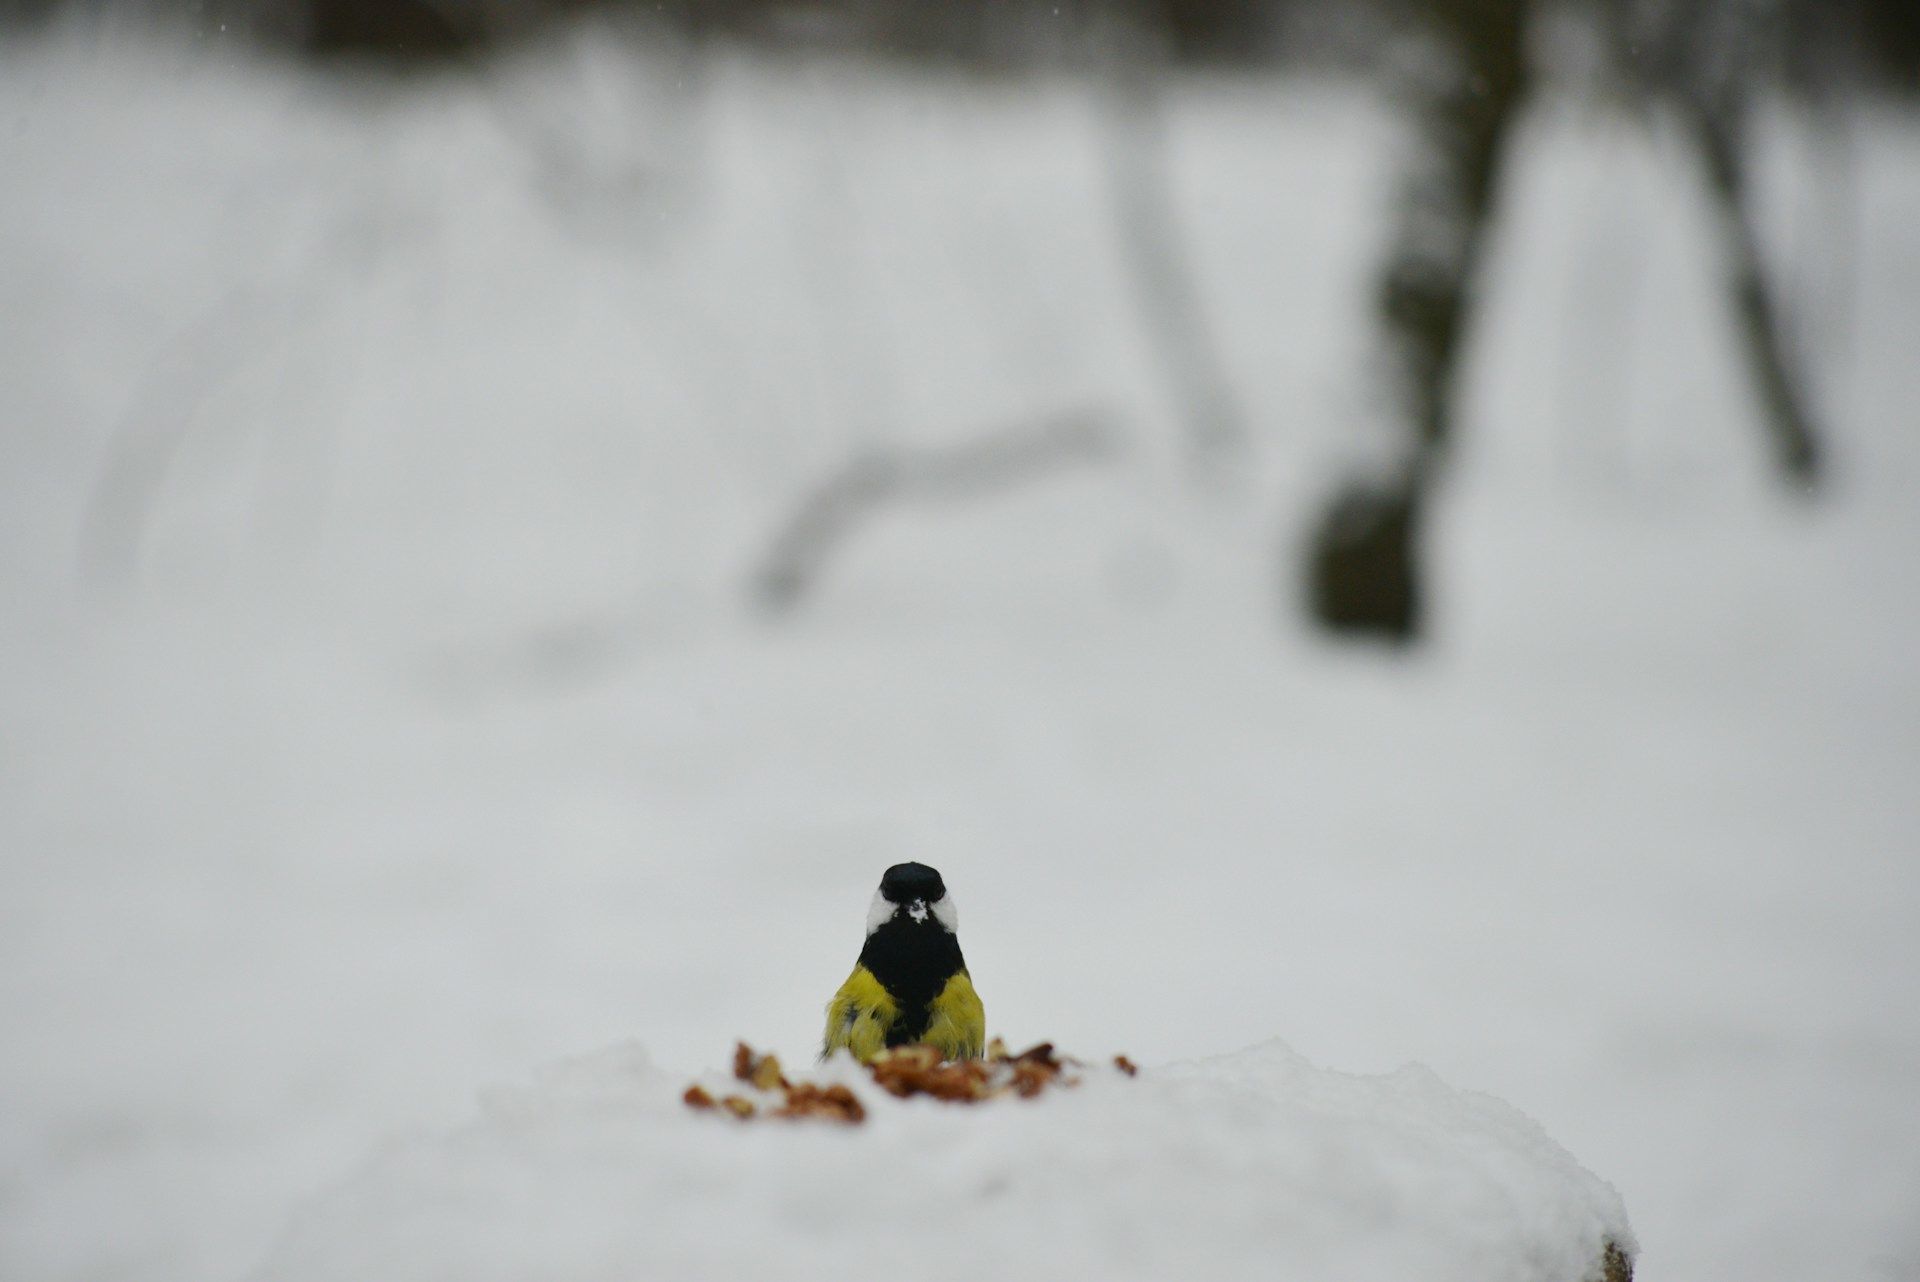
[913,944]
[904,883]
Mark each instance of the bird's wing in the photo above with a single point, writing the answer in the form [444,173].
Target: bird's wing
[859,1016]
[958,1023]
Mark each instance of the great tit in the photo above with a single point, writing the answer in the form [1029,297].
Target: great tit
[910,984]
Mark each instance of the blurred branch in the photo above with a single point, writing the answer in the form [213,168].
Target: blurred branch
[1829,224]
[1712,61]
[159,418]
[881,478]
[1782,401]
[1152,242]
[191,365]
[1595,352]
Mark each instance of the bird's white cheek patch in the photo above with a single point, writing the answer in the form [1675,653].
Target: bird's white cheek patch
[882,910]
[878,912]
[946,914]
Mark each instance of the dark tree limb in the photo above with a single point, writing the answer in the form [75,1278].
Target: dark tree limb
[1363,566]
[1363,556]
[1364,572]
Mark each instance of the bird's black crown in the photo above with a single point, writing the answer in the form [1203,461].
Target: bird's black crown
[904,883]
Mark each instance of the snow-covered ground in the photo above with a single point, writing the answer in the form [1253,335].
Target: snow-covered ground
[381,717]
[1255,1165]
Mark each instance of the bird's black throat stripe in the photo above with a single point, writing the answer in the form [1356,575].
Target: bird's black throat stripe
[913,960]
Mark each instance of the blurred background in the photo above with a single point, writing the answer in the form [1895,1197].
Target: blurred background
[1392,525]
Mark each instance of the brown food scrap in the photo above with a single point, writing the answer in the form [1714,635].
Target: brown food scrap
[1030,1077]
[918,1070]
[1039,1054]
[1038,1067]
[962,1083]
[914,1055]
[833,1103]
[761,1070]
[767,1075]
[902,1071]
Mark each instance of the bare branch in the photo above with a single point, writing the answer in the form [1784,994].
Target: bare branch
[893,476]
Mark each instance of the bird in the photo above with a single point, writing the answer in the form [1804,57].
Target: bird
[910,983]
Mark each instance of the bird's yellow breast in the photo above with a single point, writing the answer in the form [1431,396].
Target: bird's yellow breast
[863,1013]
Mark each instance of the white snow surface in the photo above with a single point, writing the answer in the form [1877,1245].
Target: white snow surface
[381,472]
[1253,1165]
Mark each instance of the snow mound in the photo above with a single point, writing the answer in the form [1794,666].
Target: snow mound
[1253,1165]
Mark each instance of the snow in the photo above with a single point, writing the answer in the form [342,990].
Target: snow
[1252,1165]
[381,714]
